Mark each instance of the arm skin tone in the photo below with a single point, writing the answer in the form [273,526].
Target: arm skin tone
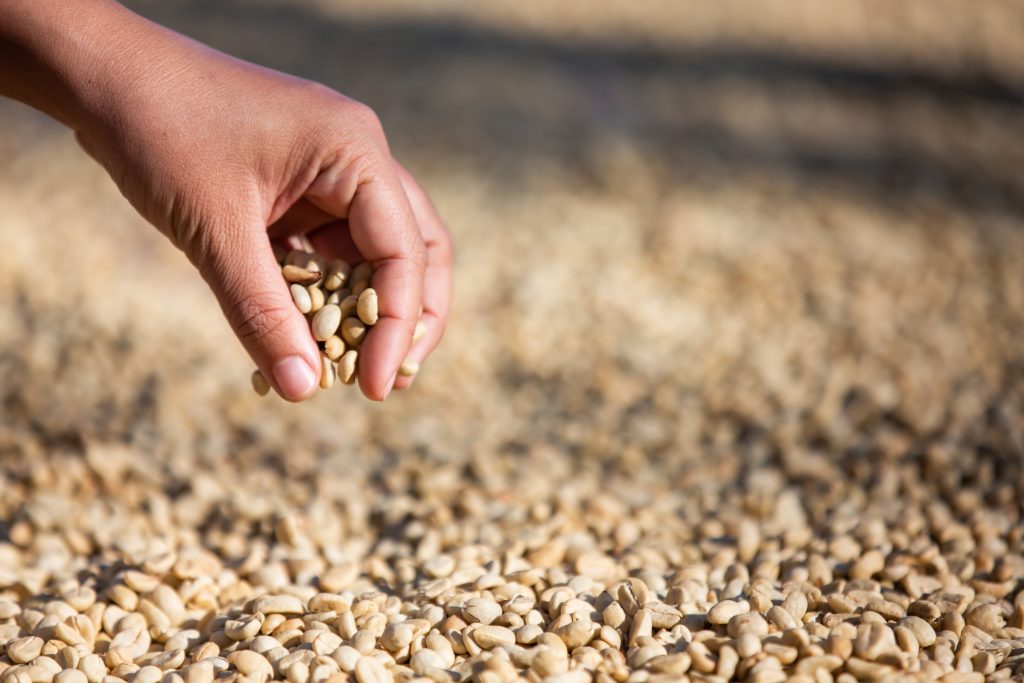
[223,156]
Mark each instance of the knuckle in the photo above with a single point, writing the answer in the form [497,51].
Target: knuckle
[314,89]
[418,250]
[445,248]
[197,244]
[256,317]
[365,120]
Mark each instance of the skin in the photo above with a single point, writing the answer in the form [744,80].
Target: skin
[223,156]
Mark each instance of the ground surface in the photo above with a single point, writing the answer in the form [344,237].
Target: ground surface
[739,316]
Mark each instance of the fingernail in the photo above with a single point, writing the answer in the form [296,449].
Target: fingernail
[391,385]
[294,378]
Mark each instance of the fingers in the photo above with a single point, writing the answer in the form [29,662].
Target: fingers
[364,206]
[239,265]
[365,188]
[334,240]
[437,283]
[397,253]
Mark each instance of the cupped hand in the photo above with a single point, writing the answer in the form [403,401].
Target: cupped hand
[222,156]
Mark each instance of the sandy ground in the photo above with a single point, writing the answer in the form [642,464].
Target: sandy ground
[715,261]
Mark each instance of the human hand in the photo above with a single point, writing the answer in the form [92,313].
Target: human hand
[222,155]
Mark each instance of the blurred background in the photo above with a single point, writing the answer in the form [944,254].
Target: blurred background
[702,248]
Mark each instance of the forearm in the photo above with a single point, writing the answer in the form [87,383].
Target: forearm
[67,57]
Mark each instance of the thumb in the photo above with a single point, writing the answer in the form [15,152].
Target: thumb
[240,268]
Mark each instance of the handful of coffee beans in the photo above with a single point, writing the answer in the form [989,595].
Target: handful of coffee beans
[340,306]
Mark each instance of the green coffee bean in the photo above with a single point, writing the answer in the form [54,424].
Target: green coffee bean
[328,373]
[337,275]
[325,322]
[259,383]
[334,347]
[366,306]
[300,295]
[347,366]
[353,330]
[298,275]
[316,298]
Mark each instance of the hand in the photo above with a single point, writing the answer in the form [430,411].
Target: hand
[221,156]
